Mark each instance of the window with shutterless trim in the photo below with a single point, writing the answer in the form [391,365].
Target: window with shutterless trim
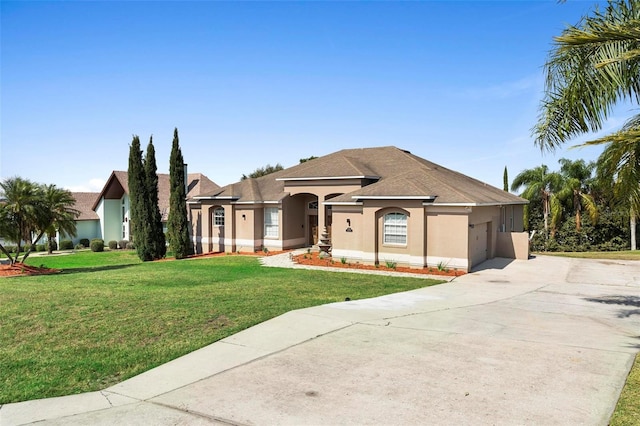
[395,228]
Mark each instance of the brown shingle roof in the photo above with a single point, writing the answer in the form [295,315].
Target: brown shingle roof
[84,204]
[395,172]
[118,184]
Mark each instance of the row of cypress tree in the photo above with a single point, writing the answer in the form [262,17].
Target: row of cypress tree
[146,219]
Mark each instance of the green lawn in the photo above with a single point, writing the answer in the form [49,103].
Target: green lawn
[619,255]
[107,316]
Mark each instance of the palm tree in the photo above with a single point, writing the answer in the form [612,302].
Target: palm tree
[619,165]
[18,212]
[593,66]
[61,216]
[540,185]
[29,210]
[576,178]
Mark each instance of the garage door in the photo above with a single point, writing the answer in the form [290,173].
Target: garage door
[478,243]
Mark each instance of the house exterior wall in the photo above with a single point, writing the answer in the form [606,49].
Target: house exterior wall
[294,215]
[448,236]
[88,229]
[195,224]
[513,245]
[346,237]
[109,212]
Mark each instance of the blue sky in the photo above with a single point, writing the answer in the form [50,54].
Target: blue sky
[251,83]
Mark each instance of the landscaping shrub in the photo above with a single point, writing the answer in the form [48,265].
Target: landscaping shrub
[41,247]
[97,244]
[85,242]
[130,246]
[66,245]
[113,245]
[122,244]
[79,246]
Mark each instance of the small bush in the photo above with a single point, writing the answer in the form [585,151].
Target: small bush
[79,247]
[97,244]
[85,242]
[442,267]
[343,260]
[390,264]
[113,245]
[122,244]
[130,246]
[41,247]
[66,245]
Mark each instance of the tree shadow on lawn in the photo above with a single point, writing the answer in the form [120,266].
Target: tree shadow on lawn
[89,269]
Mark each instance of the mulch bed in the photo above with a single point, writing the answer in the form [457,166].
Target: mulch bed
[20,269]
[314,259]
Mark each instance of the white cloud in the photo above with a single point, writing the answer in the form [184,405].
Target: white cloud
[93,185]
[504,90]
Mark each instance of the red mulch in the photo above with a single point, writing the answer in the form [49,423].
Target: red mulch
[19,269]
[314,260]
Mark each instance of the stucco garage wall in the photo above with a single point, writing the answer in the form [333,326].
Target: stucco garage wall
[448,236]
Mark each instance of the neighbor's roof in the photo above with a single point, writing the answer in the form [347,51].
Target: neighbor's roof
[388,172]
[118,185]
[84,204]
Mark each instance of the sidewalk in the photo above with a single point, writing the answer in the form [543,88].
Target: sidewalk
[545,341]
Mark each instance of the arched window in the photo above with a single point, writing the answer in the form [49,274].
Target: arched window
[218,216]
[395,228]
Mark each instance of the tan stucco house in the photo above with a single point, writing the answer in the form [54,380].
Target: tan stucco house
[377,204]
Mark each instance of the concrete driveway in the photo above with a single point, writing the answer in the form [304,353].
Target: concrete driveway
[544,341]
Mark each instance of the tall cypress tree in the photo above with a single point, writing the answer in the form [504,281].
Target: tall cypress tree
[157,242]
[138,201]
[178,226]
[505,180]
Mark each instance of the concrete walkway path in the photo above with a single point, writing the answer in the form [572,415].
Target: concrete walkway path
[545,341]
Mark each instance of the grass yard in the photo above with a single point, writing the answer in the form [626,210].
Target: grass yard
[107,316]
[627,411]
[619,255]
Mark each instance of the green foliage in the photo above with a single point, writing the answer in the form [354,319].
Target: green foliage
[130,246]
[505,180]
[156,238]
[442,266]
[178,233]
[30,210]
[304,160]
[97,245]
[390,264]
[122,244]
[66,245]
[41,247]
[343,260]
[113,245]
[263,171]
[137,201]
[85,242]
[593,66]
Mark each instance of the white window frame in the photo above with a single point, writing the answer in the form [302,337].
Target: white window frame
[271,222]
[218,219]
[395,228]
